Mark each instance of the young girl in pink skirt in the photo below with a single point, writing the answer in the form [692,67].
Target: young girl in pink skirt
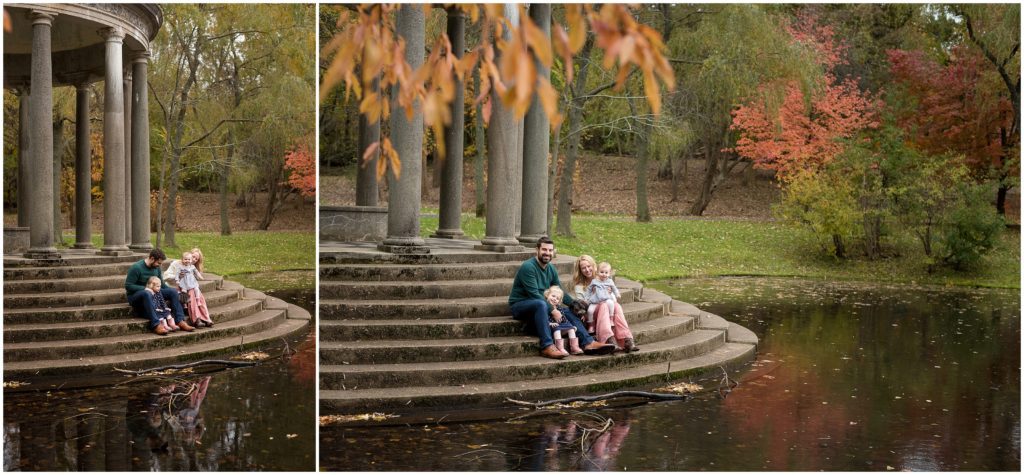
[188,281]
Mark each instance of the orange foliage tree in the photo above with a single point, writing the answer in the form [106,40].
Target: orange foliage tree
[367,48]
[301,170]
[805,133]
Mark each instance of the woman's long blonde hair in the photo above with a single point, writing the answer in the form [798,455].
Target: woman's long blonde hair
[197,258]
[577,277]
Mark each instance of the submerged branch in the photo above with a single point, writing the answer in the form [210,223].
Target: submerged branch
[601,397]
[227,363]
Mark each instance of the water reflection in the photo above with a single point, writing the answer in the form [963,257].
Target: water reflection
[846,378]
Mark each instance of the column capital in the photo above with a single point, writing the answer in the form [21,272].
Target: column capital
[112,34]
[41,17]
[141,57]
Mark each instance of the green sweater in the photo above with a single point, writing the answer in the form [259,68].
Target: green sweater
[531,281]
[138,275]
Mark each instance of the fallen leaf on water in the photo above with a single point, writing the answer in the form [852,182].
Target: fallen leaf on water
[292,436]
[253,356]
[681,388]
[14,384]
[342,418]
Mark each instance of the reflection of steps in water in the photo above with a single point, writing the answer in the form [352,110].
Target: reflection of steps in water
[406,332]
[70,317]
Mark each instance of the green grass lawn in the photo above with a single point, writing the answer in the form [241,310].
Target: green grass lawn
[243,252]
[671,248]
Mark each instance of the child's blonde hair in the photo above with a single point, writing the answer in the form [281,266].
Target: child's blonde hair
[151,279]
[611,271]
[551,290]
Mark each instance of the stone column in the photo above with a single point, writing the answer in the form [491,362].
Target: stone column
[113,146]
[450,217]
[407,138]
[536,135]
[140,154]
[128,155]
[366,178]
[83,166]
[40,198]
[502,141]
[58,166]
[24,155]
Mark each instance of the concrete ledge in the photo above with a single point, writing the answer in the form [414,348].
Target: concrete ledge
[353,223]
[16,240]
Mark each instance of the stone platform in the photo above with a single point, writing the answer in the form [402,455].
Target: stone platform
[69,317]
[408,333]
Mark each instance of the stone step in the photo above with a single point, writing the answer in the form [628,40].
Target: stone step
[111,311]
[480,327]
[522,368]
[65,284]
[438,350]
[65,272]
[23,333]
[334,309]
[405,290]
[406,399]
[140,342]
[430,273]
[79,297]
[329,256]
[269,339]
[71,258]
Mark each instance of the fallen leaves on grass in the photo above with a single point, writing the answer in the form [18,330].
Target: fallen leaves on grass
[343,418]
[14,384]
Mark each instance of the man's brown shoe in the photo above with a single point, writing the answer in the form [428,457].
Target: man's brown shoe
[160,330]
[595,348]
[183,325]
[551,352]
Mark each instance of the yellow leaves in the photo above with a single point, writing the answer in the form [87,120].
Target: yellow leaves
[681,388]
[549,101]
[577,27]
[343,418]
[253,356]
[14,384]
[388,157]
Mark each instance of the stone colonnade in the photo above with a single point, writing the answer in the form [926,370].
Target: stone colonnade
[517,158]
[125,142]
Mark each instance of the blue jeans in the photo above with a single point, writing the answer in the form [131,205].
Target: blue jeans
[142,302]
[535,314]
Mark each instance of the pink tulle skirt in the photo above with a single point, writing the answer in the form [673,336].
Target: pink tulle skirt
[197,310]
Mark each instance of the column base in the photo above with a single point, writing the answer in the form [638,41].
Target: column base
[121,250]
[43,253]
[531,239]
[83,245]
[141,247]
[404,246]
[448,234]
[499,245]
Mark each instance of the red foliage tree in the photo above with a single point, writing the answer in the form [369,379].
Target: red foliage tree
[802,134]
[954,109]
[302,170]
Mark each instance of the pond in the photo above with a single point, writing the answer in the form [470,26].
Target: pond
[242,419]
[847,377]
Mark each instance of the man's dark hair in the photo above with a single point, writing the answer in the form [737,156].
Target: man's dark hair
[157,254]
[544,240]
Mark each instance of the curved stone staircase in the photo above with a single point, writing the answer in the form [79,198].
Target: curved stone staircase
[70,317]
[401,333]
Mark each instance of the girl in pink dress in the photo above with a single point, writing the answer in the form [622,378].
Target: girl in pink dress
[188,281]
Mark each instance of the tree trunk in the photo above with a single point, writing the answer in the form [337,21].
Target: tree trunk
[837,240]
[481,144]
[643,213]
[708,185]
[272,205]
[1001,198]
[564,225]
[225,171]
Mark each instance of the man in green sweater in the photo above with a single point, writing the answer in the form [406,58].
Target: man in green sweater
[141,298]
[528,304]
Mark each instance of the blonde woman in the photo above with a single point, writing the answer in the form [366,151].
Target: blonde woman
[608,326]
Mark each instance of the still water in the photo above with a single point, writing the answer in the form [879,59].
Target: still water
[847,377]
[242,419]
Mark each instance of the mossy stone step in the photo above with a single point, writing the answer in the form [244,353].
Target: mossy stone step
[405,290]
[430,272]
[22,333]
[333,309]
[72,258]
[328,256]
[90,313]
[64,284]
[267,339]
[70,349]
[79,297]
[423,351]
[406,399]
[523,368]
[479,327]
[67,272]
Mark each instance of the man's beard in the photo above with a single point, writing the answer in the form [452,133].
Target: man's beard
[544,259]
